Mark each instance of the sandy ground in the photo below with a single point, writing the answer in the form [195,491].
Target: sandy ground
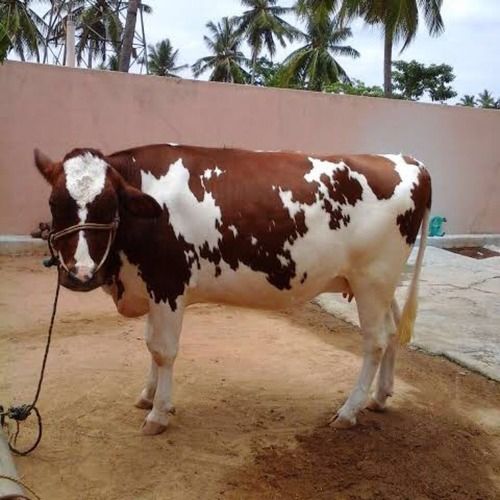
[253,393]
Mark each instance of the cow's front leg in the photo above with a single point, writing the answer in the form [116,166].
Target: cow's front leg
[162,340]
[145,401]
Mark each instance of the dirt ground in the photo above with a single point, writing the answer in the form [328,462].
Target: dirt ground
[474,252]
[253,393]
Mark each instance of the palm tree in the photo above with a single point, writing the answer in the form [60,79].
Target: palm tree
[320,9]
[99,24]
[486,100]
[226,60]
[22,26]
[261,24]
[162,59]
[468,100]
[314,65]
[5,43]
[399,21]
[128,35]
[111,63]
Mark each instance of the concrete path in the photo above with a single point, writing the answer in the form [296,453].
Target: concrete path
[459,309]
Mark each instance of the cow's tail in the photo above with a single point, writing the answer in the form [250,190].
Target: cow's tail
[409,314]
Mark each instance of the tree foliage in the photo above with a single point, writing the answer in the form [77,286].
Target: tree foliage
[314,65]
[5,43]
[486,100]
[398,20]
[261,25]
[468,101]
[163,59]
[98,24]
[23,28]
[355,87]
[226,61]
[99,29]
[266,72]
[413,79]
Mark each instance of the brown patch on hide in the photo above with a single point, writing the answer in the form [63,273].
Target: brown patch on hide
[421,193]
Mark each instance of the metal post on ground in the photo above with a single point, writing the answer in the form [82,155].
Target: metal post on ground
[8,488]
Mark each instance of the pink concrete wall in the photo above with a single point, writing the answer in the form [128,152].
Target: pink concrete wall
[57,108]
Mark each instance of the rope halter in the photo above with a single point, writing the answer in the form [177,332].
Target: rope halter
[57,235]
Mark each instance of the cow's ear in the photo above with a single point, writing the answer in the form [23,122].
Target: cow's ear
[45,166]
[139,203]
[133,199]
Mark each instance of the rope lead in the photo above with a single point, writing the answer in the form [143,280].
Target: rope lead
[21,413]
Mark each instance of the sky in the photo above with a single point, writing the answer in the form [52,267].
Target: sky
[470,43]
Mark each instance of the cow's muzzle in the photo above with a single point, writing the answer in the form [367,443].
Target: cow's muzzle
[68,277]
[70,281]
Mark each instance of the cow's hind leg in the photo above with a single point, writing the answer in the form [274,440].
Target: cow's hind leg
[163,341]
[385,380]
[373,303]
[145,400]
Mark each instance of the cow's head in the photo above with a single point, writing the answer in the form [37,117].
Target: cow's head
[87,198]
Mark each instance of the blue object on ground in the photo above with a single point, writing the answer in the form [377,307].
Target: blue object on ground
[436,226]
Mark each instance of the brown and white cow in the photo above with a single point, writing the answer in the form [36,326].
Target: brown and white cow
[164,226]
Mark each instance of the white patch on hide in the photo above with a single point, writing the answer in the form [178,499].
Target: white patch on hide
[286,198]
[194,220]
[85,177]
[82,254]
[283,260]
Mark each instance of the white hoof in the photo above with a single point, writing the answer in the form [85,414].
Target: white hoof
[374,405]
[144,404]
[341,422]
[151,428]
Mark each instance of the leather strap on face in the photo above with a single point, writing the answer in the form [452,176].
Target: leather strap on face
[93,226]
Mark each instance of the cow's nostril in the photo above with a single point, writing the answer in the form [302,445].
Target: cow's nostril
[82,274]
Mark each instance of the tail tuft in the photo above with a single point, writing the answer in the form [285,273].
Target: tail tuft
[405,327]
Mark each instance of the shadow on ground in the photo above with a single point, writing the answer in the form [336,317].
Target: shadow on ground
[406,453]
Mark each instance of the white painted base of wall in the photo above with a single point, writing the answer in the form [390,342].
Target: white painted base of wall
[463,240]
[13,244]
